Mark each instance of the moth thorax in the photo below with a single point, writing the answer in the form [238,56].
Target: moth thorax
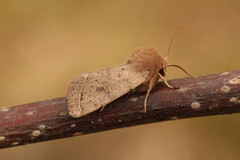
[146,59]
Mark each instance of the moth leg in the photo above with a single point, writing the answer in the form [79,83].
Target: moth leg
[145,101]
[152,83]
[102,108]
[162,78]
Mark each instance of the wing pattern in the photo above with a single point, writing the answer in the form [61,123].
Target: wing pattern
[90,91]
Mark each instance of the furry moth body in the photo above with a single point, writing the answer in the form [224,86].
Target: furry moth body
[93,90]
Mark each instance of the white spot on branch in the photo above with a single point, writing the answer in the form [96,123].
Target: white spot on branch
[29,113]
[233,99]
[41,126]
[4,109]
[195,105]
[2,138]
[73,125]
[36,133]
[174,118]
[77,134]
[235,80]
[133,99]
[15,143]
[224,73]
[225,89]
[182,89]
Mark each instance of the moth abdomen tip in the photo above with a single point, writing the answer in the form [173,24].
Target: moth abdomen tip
[75,114]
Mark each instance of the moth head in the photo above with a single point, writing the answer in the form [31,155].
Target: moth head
[163,70]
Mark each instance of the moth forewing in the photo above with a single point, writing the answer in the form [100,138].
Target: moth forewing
[93,90]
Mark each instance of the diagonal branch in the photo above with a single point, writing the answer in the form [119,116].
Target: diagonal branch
[46,120]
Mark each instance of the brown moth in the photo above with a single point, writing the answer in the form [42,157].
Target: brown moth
[93,90]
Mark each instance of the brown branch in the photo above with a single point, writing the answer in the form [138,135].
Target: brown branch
[203,96]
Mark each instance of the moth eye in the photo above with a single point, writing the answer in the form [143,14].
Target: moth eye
[161,71]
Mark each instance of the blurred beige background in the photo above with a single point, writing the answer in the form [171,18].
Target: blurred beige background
[43,44]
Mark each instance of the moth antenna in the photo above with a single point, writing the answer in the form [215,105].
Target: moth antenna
[173,33]
[174,65]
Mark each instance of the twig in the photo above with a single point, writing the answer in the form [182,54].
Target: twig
[46,120]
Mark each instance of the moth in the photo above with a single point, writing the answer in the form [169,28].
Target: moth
[93,90]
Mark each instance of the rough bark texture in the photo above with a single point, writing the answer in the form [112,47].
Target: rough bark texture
[41,121]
